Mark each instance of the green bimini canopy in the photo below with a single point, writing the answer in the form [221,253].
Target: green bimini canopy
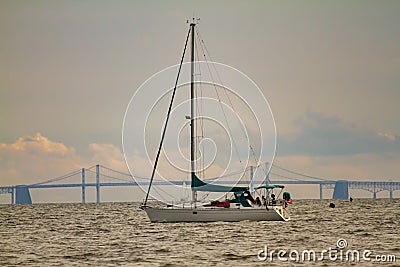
[199,185]
[270,186]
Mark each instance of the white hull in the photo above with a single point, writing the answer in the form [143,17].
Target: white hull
[276,213]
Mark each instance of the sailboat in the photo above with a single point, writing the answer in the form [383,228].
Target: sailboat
[239,206]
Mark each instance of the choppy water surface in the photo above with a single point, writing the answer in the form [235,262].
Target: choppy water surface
[120,234]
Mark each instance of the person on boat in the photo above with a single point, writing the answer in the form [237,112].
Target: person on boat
[287,198]
[248,196]
[264,200]
[258,202]
[273,200]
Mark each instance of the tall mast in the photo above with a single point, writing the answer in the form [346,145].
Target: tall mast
[192,115]
[166,123]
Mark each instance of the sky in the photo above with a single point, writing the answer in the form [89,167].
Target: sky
[329,69]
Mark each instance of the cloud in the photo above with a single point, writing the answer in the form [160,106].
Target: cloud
[108,155]
[329,147]
[32,159]
[387,136]
[326,135]
[364,167]
[38,144]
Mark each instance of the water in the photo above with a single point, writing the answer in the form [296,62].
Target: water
[120,234]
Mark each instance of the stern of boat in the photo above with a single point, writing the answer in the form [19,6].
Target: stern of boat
[282,212]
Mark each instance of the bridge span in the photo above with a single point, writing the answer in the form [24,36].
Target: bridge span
[20,194]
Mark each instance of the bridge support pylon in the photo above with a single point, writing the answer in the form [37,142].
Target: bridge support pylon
[98,183]
[83,186]
[341,190]
[22,195]
[13,195]
[320,192]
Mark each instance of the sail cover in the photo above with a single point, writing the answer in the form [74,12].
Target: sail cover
[199,185]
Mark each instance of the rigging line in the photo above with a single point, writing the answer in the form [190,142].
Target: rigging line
[200,107]
[234,173]
[197,114]
[216,71]
[205,196]
[229,174]
[226,175]
[219,99]
[265,172]
[260,165]
[167,119]
[304,175]
[164,192]
[229,100]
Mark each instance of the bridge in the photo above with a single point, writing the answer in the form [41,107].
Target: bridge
[106,177]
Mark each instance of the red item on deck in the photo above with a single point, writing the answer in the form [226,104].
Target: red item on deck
[224,204]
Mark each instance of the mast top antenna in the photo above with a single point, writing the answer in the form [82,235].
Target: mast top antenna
[193,21]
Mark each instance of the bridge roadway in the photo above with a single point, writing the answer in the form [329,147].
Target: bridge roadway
[12,189]
[377,187]
[20,193]
[168,183]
